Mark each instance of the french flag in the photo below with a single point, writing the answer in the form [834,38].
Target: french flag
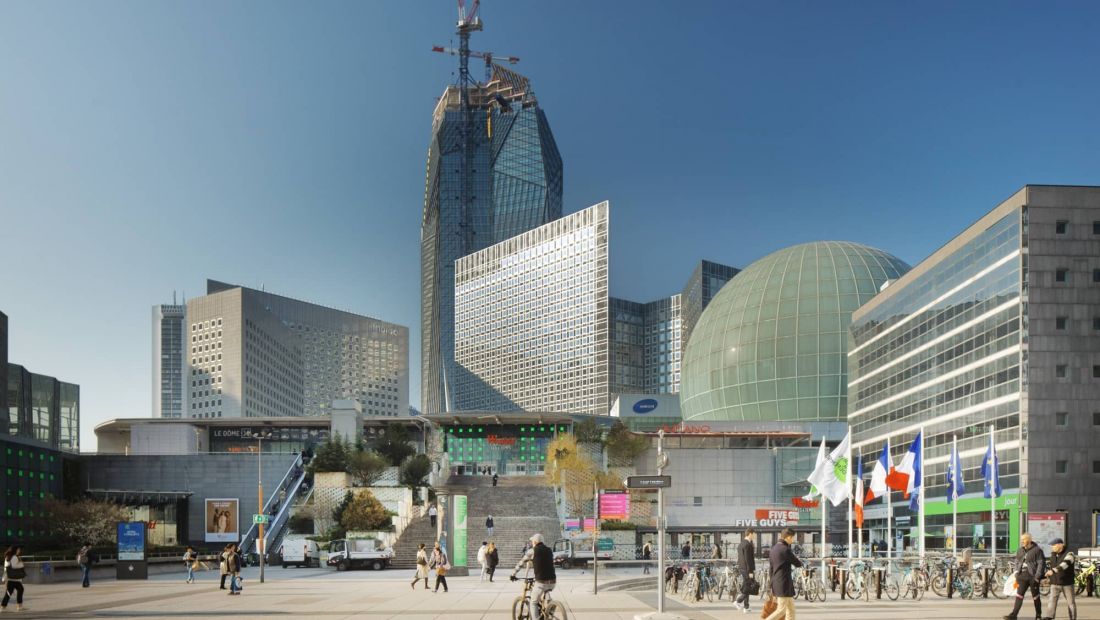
[882,470]
[859,492]
[907,476]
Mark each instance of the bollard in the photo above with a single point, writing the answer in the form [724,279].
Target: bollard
[843,583]
[880,575]
[987,578]
[950,582]
[1090,585]
[833,575]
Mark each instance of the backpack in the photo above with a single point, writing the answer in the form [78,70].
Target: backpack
[82,558]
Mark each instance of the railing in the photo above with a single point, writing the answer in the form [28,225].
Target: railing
[291,483]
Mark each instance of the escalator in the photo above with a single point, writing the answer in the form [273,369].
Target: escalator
[279,505]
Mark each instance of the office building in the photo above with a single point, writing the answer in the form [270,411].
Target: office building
[998,328]
[531,320]
[256,354]
[772,343]
[169,360]
[513,184]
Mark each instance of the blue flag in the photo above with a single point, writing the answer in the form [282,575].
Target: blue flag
[990,467]
[954,477]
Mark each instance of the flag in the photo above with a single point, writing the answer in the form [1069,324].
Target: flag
[830,476]
[879,474]
[954,477]
[990,465]
[907,476]
[859,492]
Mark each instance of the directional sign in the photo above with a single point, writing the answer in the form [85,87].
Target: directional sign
[648,482]
[258,519]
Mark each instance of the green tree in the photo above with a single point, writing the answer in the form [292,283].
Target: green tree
[365,513]
[393,443]
[331,456]
[366,467]
[415,470]
[623,444]
[588,431]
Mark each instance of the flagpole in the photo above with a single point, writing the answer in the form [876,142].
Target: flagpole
[992,496]
[889,525]
[848,485]
[824,519]
[955,496]
[920,499]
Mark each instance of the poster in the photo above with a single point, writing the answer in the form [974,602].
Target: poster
[614,505]
[1045,527]
[131,541]
[572,525]
[223,520]
[459,556]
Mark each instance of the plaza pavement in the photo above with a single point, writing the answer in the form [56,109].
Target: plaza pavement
[319,593]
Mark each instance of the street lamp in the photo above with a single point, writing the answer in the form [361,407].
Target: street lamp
[260,492]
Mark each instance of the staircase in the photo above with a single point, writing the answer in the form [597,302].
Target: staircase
[520,506]
[418,531]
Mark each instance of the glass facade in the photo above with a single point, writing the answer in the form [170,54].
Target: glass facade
[626,333]
[42,409]
[30,474]
[531,320]
[705,282]
[169,360]
[506,449]
[515,185]
[771,345]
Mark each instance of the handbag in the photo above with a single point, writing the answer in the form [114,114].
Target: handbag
[770,605]
[752,586]
[1010,586]
[17,573]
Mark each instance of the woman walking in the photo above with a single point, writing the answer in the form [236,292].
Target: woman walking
[421,567]
[441,565]
[223,564]
[492,558]
[14,573]
[234,568]
[191,561]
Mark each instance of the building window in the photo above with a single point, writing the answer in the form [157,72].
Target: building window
[1061,467]
[1096,418]
[1096,467]
[1060,323]
[1096,323]
[1061,226]
[1061,275]
[1096,275]
[1096,227]
[1060,371]
[1061,418]
[1096,371]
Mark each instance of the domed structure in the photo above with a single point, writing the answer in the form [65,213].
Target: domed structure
[772,344]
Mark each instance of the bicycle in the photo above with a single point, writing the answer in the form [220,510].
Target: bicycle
[858,572]
[808,586]
[913,582]
[1086,569]
[521,606]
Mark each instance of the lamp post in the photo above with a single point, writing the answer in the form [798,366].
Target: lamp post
[260,546]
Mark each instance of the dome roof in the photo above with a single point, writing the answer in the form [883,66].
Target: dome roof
[772,345]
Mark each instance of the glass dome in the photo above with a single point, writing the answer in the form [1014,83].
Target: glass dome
[772,345]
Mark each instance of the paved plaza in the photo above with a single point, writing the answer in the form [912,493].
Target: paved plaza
[302,593]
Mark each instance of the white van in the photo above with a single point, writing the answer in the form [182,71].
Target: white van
[300,551]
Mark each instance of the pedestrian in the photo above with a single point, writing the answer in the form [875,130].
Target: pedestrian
[223,565]
[716,553]
[432,514]
[685,551]
[1029,571]
[14,574]
[84,561]
[539,559]
[481,559]
[191,561]
[489,525]
[305,554]
[492,559]
[782,560]
[495,479]
[234,568]
[746,563]
[440,564]
[421,567]
[874,548]
[1062,574]
[647,555]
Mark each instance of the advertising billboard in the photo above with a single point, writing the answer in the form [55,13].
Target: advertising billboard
[223,520]
[131,541]
[460,512]
[614,505]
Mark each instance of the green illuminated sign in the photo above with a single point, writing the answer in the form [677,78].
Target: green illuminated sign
[459,557]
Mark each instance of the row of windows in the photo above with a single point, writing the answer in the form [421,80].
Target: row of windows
[1061,323]
[1061,227]
[1061,467]
[205,324]
[1061,418]
[1062,371]
[1062,274]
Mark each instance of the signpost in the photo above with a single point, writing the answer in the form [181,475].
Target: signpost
[131,551]
[662,463]
[648,482]
[261,519]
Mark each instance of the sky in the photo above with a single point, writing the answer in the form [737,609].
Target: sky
[147,146]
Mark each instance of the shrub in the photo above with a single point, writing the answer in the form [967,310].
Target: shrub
[83,520]
[623,444]
[365,513]
[588,431]
[415,470]
[301,524]
[366,467]
[331,456]
[393,443]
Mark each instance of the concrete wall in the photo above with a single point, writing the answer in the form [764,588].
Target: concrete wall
[204,475]
[166,439]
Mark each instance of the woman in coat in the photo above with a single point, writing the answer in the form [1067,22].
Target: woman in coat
[421,567]
[492,558]
[14,573]
[440,564]
[223,564]
[233,565]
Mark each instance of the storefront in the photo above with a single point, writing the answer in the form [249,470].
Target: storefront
[283,439]
[508,444]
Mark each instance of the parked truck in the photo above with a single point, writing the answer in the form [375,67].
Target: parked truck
[570,552]
[359,553]
[300,552]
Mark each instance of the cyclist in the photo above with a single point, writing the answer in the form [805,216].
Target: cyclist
[541,559]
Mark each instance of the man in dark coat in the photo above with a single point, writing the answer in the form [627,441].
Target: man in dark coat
[783,559]
[1030,566]
[746,563]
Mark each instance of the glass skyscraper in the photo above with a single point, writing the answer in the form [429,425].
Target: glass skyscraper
[169,360]
[515,185]
[999,328]
[531,320]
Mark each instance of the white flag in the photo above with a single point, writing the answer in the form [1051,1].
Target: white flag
[831,473]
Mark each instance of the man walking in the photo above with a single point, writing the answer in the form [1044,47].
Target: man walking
[84,560]
[489,525]
[1029,571]
[647,555]
[1062,574]
[685,551]
[432,514]
[782,560]
[482,558]
[746,563]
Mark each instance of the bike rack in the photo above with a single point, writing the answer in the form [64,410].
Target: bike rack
[843,582]
[880,576]
[950,582]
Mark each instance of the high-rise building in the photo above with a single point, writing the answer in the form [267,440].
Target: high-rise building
[998,329]
[531,320]
[169,360]
[256,354]
[704,283]
[512,184]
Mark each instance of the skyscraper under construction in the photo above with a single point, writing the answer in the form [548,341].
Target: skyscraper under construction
[493,172]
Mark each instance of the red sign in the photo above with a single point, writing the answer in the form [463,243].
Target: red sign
[614,505]
[777,514]
[501,441]
[590,525]
[802,502]
[686,429]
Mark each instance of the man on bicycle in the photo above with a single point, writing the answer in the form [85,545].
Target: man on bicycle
[540,558]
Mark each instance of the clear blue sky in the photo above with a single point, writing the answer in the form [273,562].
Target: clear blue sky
[146,146]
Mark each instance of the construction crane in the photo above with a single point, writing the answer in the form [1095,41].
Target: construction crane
[488,57]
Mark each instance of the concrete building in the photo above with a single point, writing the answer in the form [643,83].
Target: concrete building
[531,320]
[256,354]
[998,328]
[169,360]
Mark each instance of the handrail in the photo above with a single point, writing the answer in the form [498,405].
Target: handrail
[249,538]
